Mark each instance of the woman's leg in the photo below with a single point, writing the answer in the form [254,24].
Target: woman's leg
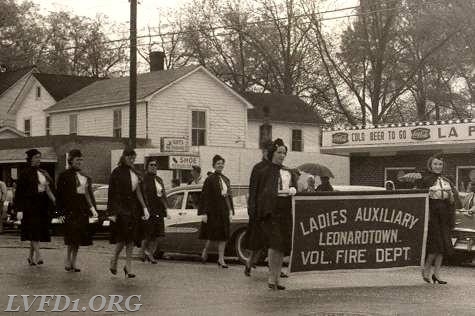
[67,261]
[221,247]
[115,256]
[74,255]
[36,247]
[129,247]
[437,264]
[145,246]
[32,251]
[204,253]
[426,272]
[274,269]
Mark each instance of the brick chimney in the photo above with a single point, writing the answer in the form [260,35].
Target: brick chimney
[157,61]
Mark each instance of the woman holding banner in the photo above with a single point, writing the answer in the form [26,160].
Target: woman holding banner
[443,199]
[274,209]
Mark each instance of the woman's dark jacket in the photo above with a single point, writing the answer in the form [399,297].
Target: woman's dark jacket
[254,184]
[155,204]
[121,199]
[428,179]
[67,199]
[27,187]
[211,200]
[267,190]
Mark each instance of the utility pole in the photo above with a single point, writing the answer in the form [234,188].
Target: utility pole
[133,75]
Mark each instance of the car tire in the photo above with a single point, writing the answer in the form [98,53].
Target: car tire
[242,253]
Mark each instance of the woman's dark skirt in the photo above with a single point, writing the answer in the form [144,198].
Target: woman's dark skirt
[277,227]
[77,231]
[255,239]
[154,227]
[438,236]
[217,227]
[128,226]
[36,219]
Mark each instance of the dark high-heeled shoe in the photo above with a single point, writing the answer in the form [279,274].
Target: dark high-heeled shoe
[150,259]
[68,268]
[275,286]
[40,261]
[223,265]
[127,274]
[30,262]
[283,275]
[75,269]
[434,278]
[113,268]
[247,271]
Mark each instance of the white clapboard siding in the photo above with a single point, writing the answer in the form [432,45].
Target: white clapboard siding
[8,98]
[170,111]
[310,134]
[169,114]
[31,107]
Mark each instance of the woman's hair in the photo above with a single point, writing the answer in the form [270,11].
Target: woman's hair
[74,153]
[217,158]
[275,145]
[126,153]
[149,161]
[437,156]
[31,153]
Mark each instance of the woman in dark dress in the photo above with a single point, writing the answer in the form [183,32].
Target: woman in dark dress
[216,207]
[156,200]
[76,202]
[34,200]
[274,209]
[127,208]
[443,199]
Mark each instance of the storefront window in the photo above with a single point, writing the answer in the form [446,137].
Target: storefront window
[394,174]
[465,175]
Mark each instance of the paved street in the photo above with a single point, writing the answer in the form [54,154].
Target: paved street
[186,287]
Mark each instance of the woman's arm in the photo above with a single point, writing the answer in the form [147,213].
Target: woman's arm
[146,214]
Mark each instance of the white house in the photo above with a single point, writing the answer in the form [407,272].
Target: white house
[26,93]
[192,105]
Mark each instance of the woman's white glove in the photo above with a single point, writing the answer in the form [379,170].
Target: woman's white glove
[19,216]
[292,191]
[146,214]
[204,218]
[94,212]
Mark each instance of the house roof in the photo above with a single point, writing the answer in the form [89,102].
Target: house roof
[61,86]
[7,79]
[116,91]
[281,108]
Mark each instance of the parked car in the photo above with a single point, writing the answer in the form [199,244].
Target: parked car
[463,235]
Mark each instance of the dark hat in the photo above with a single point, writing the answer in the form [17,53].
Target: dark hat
[32,152]
[267,144]
[129,152]
[217,158]
[196,168]
[74,153]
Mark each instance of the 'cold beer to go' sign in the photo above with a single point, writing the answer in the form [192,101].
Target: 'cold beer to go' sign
[358,232]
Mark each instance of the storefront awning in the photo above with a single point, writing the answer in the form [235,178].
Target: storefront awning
[450,138]
[15,155]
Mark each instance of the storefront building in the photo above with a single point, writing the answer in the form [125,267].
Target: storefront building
[385,153]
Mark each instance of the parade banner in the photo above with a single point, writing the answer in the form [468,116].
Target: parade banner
[371,231]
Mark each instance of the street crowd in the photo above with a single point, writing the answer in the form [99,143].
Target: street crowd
[137,205]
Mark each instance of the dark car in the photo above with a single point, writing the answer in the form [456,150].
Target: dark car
[463,235]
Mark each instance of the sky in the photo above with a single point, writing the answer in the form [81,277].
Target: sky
[147,11]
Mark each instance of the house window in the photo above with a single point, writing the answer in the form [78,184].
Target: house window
[117,124]
[265,134]
[38,92]
[198,128]
[73,124]
[27,127]
[297,141]
[48,125]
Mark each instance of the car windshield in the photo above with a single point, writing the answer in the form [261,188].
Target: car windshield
[175,200]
